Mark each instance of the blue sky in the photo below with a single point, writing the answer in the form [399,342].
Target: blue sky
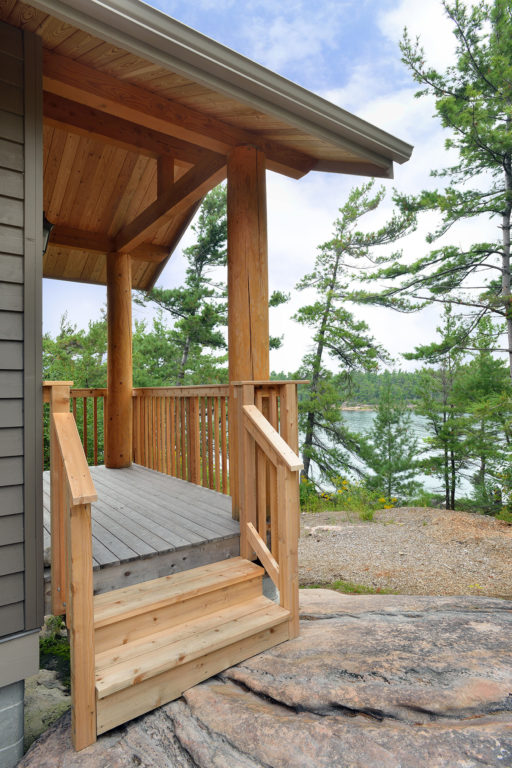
[347,51]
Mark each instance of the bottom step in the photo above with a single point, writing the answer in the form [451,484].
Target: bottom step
[136,677]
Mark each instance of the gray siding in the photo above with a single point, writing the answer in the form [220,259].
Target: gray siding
[20,287]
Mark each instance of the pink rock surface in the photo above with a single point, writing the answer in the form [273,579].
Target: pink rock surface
[384,681]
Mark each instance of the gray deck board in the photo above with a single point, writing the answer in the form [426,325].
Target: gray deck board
[141,514]
[177,508]
[148,514]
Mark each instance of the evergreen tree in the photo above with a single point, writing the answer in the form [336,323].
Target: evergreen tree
[473,100]
[391,450]
[338,336]
[440,406]
[77,355]
[483,391]
[198,308]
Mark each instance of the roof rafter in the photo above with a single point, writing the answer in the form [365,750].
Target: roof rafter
[87,121]
[68,78]
[175,202]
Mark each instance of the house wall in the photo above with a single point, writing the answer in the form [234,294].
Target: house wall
[21,566]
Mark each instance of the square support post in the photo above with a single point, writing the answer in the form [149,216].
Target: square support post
[248,332]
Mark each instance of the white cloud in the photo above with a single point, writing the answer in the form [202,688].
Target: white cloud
[295,34]
[426,19]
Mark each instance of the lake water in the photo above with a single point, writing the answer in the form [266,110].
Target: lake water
[362,421]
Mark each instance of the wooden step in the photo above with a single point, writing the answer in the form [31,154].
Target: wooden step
[148,672]
[127,614]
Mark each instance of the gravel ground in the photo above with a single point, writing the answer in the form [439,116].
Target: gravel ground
[415,551]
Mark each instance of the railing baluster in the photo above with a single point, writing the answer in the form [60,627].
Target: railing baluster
[183,439]
[95,430]
[172,406]
[224,450]
[204,454]
[211,479]
[216,442]
[84,432]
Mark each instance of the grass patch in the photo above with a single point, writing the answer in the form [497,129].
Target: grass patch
[349,588]
[54,651]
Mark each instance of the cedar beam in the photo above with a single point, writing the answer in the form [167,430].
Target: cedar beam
[179,197]
[248,332]
[118,443]
[68,78]
[96,242]
[86,121]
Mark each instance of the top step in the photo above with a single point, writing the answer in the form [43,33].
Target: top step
[130,602]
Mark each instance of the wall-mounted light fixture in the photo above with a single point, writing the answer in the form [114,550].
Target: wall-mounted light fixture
[47,228]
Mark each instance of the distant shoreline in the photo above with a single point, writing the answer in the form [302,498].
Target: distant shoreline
[358,407]
[367,407]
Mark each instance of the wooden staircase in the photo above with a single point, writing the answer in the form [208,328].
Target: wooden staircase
[156,639]
[136,648]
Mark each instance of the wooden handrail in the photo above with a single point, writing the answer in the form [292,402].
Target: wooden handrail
[72,492]
[267,468]
[199,390]
[78,477]
[269,440]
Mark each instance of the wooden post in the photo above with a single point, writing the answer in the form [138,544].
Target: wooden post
[118,444]
[288,533]
[247,478]
[81,625]
[248,333]
[59,403]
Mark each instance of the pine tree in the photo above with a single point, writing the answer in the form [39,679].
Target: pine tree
[442,409]
[391,450]
[473,100]
[198,308]
[483,390]
[338,337]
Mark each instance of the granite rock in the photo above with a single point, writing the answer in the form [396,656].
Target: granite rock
[380,681]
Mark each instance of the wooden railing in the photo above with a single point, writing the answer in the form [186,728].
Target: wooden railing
[267,472]
[72,492]
[88,407]
[183,432]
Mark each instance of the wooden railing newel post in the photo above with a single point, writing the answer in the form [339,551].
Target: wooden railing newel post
[81,627]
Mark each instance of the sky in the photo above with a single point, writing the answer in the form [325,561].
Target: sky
[346,51]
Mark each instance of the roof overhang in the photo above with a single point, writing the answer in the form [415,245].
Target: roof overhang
[151,34]
[140,116]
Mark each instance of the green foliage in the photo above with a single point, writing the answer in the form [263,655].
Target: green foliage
[391,451]
[338,338]
[483,389]
[473,100]
[176,354]
[442,409]
[350,496]
[54,651]
[366,387]
[77,355]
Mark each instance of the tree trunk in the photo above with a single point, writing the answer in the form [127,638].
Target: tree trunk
[505,264]
[183,362]
[310,419]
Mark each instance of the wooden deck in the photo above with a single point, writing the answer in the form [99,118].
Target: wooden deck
[146,525]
